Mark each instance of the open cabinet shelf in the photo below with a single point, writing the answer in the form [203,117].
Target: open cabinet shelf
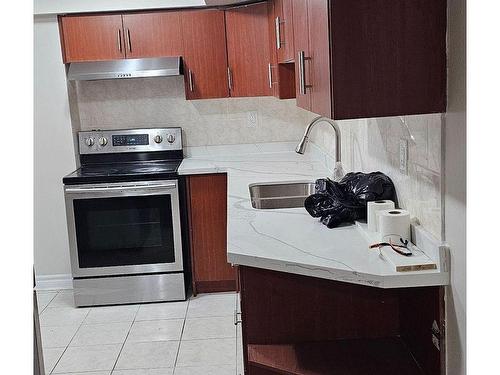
[386,356]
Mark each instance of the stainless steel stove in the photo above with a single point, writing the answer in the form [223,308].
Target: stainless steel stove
[124,211]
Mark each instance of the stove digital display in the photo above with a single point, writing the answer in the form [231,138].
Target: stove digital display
[131,140]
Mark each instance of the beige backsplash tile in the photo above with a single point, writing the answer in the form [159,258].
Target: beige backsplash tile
[367,144]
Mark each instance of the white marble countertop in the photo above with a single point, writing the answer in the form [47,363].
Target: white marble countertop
[290,240]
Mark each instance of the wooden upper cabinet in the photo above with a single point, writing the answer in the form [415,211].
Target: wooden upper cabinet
[388,57]
[153,34]
[247,36]
[370,58]
[92,38]
[205,59]
[312,51]
[283,24]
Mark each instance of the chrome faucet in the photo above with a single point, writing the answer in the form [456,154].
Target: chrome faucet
[338,171]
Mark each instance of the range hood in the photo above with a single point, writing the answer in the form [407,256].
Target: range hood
[125,68]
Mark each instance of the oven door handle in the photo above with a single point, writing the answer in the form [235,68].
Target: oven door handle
[115,188]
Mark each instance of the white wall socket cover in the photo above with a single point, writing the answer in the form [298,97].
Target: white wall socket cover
[252,118]
[403,156]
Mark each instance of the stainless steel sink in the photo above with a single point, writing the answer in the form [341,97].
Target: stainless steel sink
[280,194]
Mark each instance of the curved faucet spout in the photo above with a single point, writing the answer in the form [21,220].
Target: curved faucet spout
[301,147]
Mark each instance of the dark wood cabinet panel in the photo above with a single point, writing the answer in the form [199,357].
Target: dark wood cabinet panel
[208,234]
[293,324]
[152,34]
[247,35]
[389,57]
[92,38]
[205,59]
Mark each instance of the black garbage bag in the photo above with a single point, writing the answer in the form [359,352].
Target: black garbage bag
[345,201]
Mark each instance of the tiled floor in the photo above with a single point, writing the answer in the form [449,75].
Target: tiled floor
[174,338]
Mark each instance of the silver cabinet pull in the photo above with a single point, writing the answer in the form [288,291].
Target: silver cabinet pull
[190,78]
[129,41]
[119,40]
[302,73]
[277,24]
[270,75]
[229,78]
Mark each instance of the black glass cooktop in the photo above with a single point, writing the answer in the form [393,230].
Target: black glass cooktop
[119,172]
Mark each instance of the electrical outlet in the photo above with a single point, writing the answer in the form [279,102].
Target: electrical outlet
[252,118]
[403,156]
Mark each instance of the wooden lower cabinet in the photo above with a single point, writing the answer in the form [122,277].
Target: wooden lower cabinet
[294,324]
[207,212]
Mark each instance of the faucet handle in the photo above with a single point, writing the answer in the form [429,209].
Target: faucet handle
[338,172]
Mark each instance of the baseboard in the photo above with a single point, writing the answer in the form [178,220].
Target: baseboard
[53,282]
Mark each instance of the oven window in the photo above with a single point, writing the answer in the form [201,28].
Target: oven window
[124,231]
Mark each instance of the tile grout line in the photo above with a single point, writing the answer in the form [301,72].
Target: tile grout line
[182,333]
[47,305]
[124,341]
[72,337]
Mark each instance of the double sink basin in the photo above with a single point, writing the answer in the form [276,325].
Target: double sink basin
[280,194]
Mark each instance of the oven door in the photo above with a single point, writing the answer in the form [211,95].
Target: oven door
[124,228]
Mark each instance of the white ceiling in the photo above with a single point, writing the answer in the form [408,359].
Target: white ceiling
[81,6]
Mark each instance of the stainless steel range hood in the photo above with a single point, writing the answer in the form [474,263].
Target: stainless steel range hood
[124,68]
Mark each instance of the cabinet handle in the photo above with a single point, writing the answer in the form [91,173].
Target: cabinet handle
[270,75]
[229,78]
[236,320]
[119,40]
[302,73]
[277,24]
[129,42]
[190,78]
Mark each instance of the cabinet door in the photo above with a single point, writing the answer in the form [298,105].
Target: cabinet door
[208,232]
[283,23]
[319,54]
[301,45]
[152,34]
[92,38]
[205,59]
[248,50]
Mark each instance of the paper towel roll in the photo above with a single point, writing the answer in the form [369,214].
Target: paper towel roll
[373,208]
[393,225]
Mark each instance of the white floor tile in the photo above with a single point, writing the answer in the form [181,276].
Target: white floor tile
[50,358]
[151,371]
[167,310]
[43,299]
[61,316]
[156,330]
[63,299]
[98,334]
[211,352]
[211,305]
[56,337]
[206,370]
[111,314]
[209,328]
[142,355]
[88,358]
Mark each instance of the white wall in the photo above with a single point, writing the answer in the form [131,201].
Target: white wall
[53,150]
[455,187]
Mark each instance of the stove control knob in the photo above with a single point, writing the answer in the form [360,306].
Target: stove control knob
[171,138]
[158,139]
[89,142]
[103,141]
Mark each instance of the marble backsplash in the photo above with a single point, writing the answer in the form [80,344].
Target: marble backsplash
[373,145]
[146,102]
[367,144]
